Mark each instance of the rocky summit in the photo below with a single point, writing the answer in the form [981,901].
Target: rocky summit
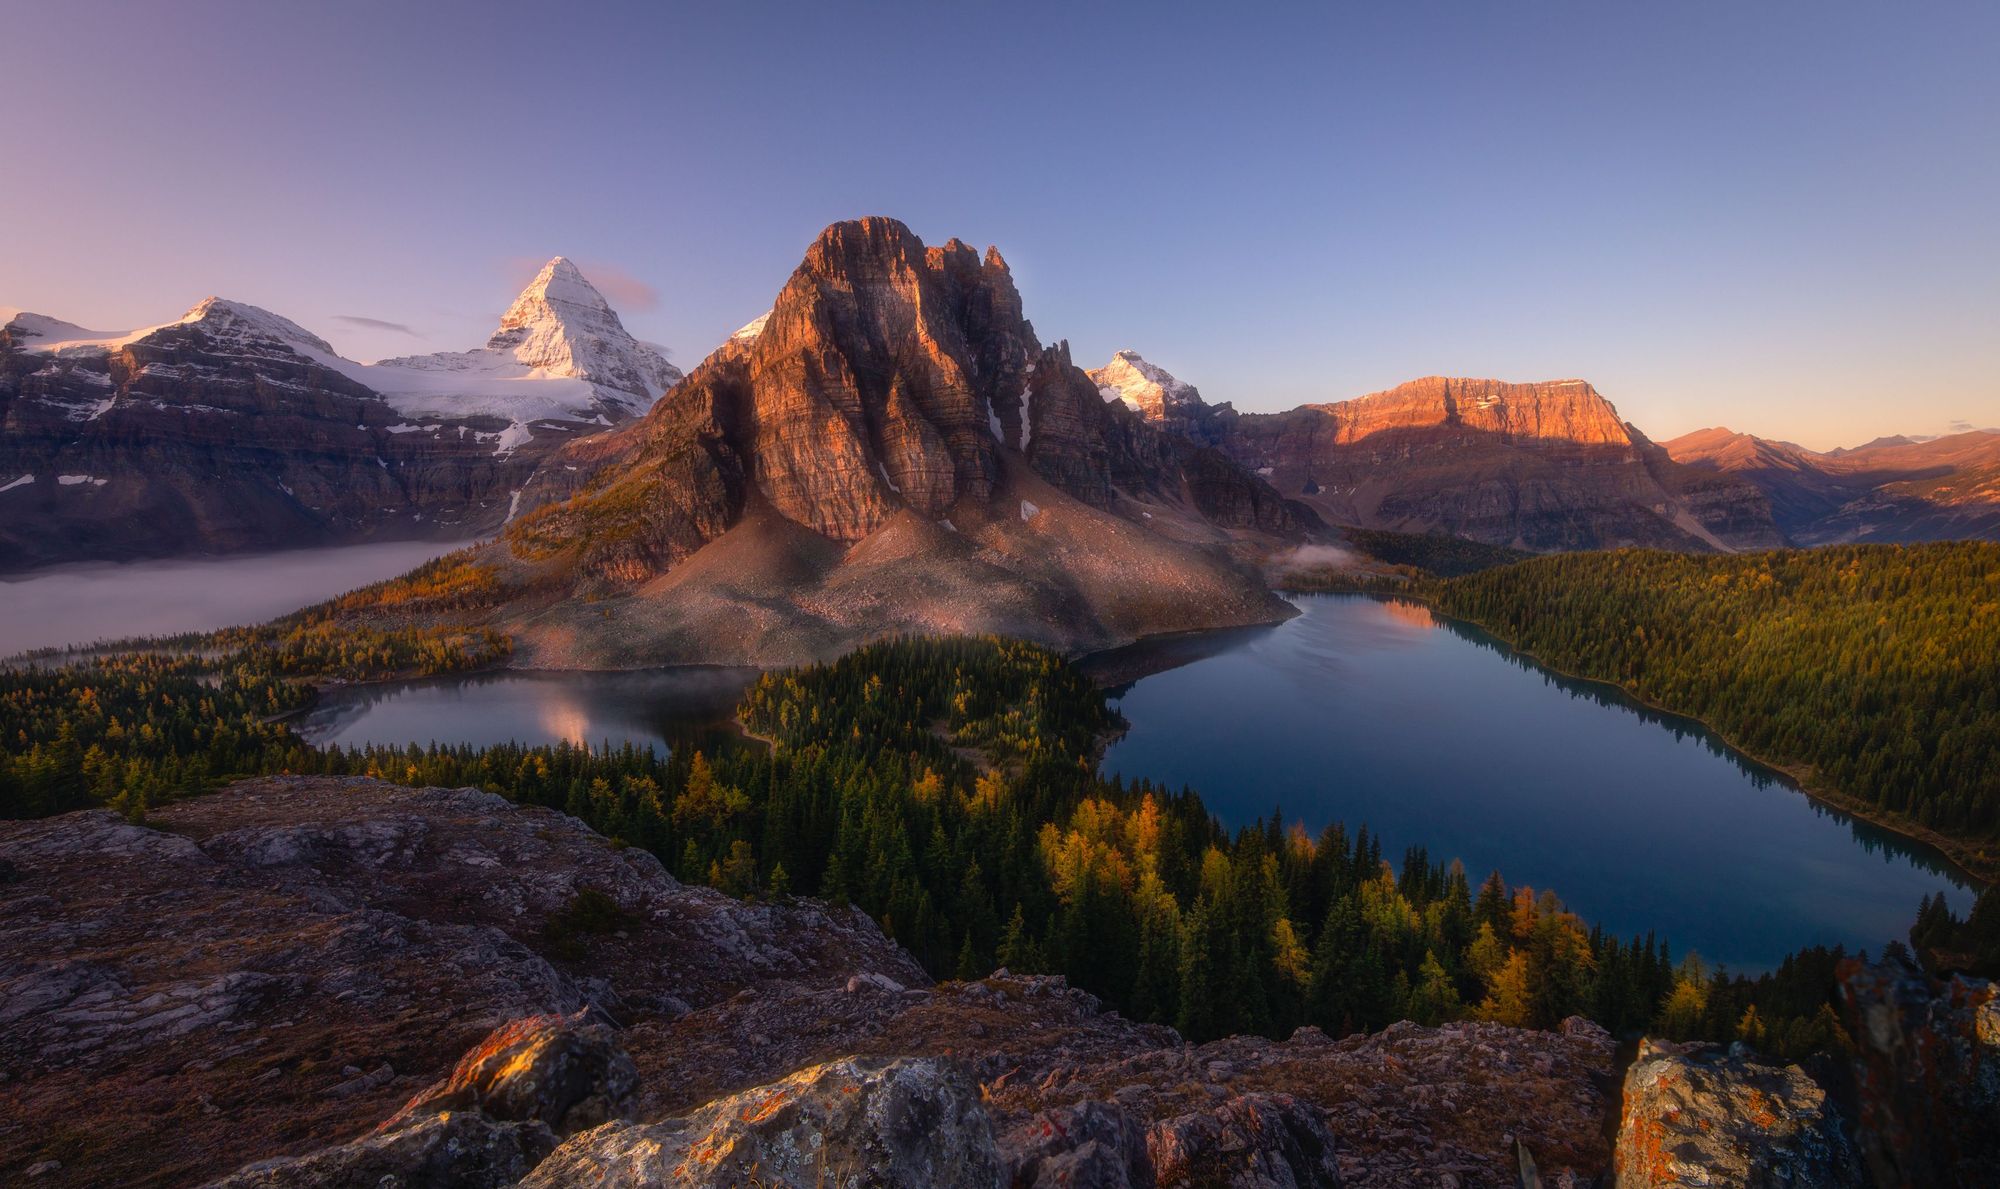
[891,448]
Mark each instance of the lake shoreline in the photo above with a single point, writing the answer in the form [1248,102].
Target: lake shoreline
[1978,866]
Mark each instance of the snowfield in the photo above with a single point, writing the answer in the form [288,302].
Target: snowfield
[560,355]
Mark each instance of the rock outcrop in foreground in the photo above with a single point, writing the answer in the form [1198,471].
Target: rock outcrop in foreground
[1919,1100]
[1700,1115]
[309,981]
[1927,1064]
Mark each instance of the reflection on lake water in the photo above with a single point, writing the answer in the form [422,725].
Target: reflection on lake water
[1430,732]
[1433,733]
[658,708]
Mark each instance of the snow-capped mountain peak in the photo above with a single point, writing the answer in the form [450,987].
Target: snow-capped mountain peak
[558,293]
[1144,387]
[235,322]
[561,325]
[238,321]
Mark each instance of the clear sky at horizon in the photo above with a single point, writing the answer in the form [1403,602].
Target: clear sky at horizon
[1775,216]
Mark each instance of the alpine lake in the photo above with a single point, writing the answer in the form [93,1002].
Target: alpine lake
[1368,712]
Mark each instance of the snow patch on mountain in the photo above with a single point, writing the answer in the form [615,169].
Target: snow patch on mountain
[560,354]
[752,328]
[1145,388]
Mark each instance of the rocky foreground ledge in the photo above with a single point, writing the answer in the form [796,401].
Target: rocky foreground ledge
[341,982]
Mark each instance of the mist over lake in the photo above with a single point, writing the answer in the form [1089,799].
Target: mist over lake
[110,600]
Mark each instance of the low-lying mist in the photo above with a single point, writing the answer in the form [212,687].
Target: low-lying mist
[1314,556]
[102,601]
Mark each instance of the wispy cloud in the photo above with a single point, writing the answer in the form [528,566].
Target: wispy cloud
[376,324]
[623,290]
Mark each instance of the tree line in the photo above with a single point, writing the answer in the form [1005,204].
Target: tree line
[949,787]
[1877,667]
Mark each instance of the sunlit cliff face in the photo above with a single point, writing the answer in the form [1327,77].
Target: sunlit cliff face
[1568,412]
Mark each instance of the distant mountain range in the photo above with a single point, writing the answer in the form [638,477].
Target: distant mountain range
[233,428]
[1891,489]
[1534,466]
[892,389]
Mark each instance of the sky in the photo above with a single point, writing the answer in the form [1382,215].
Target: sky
[1778,216]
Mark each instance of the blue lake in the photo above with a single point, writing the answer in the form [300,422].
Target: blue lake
[1432,733]
[1368,712]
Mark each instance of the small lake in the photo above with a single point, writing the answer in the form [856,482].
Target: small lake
[658,708]
[1435,734]
[1429,732]
[87,602]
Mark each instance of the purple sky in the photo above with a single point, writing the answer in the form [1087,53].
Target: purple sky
[1774,216]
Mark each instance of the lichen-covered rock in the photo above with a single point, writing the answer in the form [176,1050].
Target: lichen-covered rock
[500,1112]
[1255,1141]
[1092,1145]
[1699,1115]
[455,1150]
[899,1123]
[565,1072]
[1927,1069]
[276,967]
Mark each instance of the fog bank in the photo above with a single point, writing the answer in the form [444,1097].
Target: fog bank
[105,600]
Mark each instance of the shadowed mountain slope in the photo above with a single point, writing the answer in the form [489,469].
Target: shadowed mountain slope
[1889,490]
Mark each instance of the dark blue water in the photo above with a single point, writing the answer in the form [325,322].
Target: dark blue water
[1434,734]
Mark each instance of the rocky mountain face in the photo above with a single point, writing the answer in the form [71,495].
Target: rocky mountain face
[1534,466]
[309,981]
[232,428]
[890,448]
[1889,490]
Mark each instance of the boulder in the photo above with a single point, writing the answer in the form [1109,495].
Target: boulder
[1702,1115]
[852,1122]
[498,1114]
[562,1071]
[454,1150]
[1927,1070]
[1255,1141]
[1093,1145]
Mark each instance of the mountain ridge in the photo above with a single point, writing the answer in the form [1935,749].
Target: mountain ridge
[233,428]
[893,450]
[1541,466]
[1892,489]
